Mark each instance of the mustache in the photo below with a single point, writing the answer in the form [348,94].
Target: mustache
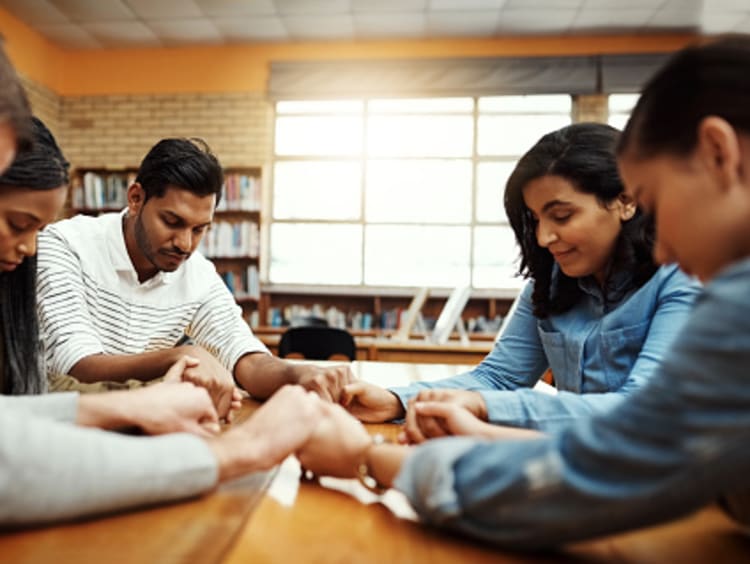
[176,251]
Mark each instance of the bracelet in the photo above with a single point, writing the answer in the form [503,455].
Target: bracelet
[363,470]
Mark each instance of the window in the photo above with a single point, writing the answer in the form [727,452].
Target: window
[620,106]
[400,192]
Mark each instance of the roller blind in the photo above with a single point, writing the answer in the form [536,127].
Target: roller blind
[464,76]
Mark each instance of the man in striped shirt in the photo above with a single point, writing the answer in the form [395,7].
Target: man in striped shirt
[117,292]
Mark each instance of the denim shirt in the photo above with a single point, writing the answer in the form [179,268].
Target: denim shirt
[599,351]
[675,445]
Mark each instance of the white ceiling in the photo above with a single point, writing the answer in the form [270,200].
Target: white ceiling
[129,23]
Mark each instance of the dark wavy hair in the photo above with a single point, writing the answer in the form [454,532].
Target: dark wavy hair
[711,78]
[584,155]
[187,164]
[40,167]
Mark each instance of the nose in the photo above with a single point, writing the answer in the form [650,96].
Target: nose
[545,234]
[183,240]
[27,245]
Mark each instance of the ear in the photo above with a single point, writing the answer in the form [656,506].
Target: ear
[627,206]
[136,198]
[718,149]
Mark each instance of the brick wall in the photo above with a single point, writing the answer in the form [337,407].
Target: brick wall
[117,131]
[45,104]
[592,107]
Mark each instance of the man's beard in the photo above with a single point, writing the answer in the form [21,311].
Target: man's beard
[144,245]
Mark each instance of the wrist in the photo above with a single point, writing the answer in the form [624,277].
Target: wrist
[396,409]
[364,469]
[482,408]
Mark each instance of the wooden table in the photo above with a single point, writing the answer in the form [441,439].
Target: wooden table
[273,517]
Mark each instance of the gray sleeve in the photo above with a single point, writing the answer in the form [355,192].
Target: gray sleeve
[50,471]
[57,407]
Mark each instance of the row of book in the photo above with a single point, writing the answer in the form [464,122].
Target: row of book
[390,319]
[108,190]
[241,192]
[101,191]
[231,239]
[243,282]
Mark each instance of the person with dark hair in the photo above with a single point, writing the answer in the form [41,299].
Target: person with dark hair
[598,311]
[678,443]
[119,292]
[53,464]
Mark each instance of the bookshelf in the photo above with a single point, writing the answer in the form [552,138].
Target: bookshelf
[232,243]
[373,311]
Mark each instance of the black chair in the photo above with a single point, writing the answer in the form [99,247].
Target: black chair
[317,343]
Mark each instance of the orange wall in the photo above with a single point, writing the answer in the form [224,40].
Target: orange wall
[245,68]
[32,54]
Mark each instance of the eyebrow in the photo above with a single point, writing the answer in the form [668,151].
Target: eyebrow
[29,215]
[554,203]
[181,219]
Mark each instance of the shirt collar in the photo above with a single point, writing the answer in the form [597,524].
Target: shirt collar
[119,257]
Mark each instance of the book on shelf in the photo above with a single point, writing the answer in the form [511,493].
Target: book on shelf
[231,239]
[242,192]
[97,190]
[243,283]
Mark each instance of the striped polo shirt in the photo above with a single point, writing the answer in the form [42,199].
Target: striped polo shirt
[91,302]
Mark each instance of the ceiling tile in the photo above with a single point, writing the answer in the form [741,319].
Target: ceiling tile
[263,28]
[312,7]
[596,5]
[35,12]
[69,35]
[236,8]
[461,24]
[465,5]
[670,18]
[612,18]
[121,34]
[94,10]
[726,5]
[181,32]
[368,6]
[712,23]
[165,9]
[529,21]
[554,4]
[319,27]
[389,25]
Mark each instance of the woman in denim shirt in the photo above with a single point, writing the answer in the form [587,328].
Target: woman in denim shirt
[680,442]
[598,311]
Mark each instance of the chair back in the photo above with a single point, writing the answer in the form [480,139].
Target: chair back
[317,343]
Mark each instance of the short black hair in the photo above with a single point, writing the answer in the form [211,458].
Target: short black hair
[187,164]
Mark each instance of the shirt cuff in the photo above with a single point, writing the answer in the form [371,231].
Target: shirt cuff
[504,407]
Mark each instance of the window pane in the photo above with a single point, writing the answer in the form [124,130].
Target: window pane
[419,136]
[622,102]
[552,103]
[515,134]
[495,258]
[491,180]
[319,135]
[306,189]
[319,106]
[422,105]
[316,253]
[618,120]
[410,255]
[428,191]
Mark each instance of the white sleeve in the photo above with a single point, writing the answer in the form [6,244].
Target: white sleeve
[51,471]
